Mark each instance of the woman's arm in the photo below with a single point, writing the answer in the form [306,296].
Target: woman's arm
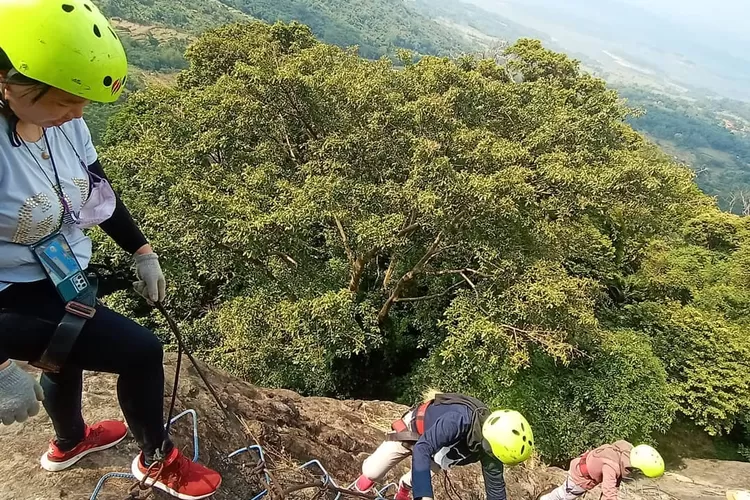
[121,227]
[124,231]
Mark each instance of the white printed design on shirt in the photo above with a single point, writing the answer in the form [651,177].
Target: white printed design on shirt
[40,215]
[36,219]
[83,187]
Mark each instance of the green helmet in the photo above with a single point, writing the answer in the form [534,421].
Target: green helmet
[67,44]
[648,460]
[509,436]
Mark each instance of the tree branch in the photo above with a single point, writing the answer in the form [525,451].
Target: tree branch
[389,272]
[358,268]
[286,259]
[458,271]
[472,285]
[431,252]
[291,98]
[428,297]
[551,343]
[409,276]
[357,264]
[345,241]
[408,229]
[286,139]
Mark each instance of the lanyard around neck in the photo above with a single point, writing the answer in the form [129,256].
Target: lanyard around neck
[57,185]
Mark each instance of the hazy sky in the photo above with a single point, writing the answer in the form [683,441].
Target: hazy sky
[699,43]
[732,15]
[721,24]
[714,15]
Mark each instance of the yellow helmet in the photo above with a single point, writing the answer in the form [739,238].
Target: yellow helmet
[509,436]
[67,44]
[648,460]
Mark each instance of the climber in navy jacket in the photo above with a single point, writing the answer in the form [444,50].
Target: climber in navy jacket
[450,430]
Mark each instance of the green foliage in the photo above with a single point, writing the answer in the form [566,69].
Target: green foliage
[481,332]
[338,226]
[706,359]
[694,306]
[258,334]
[154,55]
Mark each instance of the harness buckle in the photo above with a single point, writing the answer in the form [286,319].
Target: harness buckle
[80,310]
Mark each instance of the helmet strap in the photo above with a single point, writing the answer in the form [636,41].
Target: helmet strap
[11,73]
[487,447]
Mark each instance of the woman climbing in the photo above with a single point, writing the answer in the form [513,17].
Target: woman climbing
[55,57]
[607,465]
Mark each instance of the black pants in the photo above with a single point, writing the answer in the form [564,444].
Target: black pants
[109,342]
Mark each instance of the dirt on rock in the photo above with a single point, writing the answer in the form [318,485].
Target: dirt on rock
[292,431]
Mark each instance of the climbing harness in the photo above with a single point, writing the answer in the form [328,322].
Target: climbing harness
[411,431]
[76,288]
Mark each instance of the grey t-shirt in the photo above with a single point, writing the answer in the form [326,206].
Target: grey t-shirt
[29,207]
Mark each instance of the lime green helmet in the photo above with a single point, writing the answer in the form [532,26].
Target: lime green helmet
[648,460]
[509,436]
[67,44]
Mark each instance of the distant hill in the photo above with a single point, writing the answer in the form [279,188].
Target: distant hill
[377,27]
[193,16]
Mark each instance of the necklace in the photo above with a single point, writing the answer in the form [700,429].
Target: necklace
[42,151]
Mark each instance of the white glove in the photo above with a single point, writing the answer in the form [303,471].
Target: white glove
[20,394]
[151,285]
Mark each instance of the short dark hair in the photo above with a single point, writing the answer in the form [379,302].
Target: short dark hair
[18,79]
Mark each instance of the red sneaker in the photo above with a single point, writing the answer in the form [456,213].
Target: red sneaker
[98,437]
[404,493]
[180,477]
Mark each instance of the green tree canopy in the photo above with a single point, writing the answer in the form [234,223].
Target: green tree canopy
[340,226]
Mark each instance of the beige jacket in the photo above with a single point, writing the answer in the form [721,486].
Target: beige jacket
[607,465]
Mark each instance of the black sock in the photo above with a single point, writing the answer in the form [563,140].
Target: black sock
[150,458]
[65,445]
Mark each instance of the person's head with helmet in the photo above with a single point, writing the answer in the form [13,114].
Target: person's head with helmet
[646,459]
[55,57]
[509,436]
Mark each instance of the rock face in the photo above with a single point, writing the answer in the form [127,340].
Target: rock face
[292,430]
